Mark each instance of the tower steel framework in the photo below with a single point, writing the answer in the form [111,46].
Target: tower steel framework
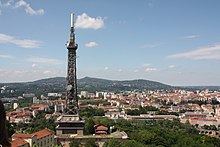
[71,90]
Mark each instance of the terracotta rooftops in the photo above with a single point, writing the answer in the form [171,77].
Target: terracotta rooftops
[22,136]
[43,133]
[101,128]
[38,134]
[18,142]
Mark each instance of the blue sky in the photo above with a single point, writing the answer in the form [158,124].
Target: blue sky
[175,42]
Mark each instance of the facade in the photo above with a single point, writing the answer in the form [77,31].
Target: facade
[28,95]
[84,94]
[19,116]
[69,125]
[42,138]
[101,130]
[19,143]
[115,115]
[54,94]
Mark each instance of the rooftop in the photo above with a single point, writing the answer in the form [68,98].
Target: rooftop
[43,133]
[18,142]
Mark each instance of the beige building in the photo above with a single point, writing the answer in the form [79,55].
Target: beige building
[42,138]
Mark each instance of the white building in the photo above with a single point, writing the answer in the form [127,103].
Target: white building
[36,100]
[28,95]
[84,94]
[54,94]
[99,94]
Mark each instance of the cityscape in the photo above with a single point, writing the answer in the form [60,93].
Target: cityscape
[106,74]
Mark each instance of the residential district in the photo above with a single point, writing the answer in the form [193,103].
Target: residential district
[199,108]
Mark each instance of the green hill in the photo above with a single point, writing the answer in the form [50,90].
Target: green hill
[58,84]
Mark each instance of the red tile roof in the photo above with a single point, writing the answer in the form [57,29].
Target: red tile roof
[22,136]
[37,106]
[101,128]
[18,143]
[43,133]
[38,134]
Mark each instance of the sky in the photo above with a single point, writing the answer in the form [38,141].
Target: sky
[175,42]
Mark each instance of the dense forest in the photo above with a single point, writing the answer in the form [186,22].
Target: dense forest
[162,133]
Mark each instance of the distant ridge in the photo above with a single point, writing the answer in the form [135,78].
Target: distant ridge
[88,83]
[58,84]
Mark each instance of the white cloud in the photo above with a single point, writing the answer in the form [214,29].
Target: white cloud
[6,56]
[6,4]
[211,52]
[86,22]
[151,45]
[91,44]
[43,60]
[33,65]
[22,4]
[28,8]
[24,43]
[46,72]
[151,69]
[19,75]
[106,68]
[172,66]
[136,70]
[146,64]
[191,37]
[31,11]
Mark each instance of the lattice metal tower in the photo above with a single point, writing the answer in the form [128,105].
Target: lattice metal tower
[70,122]
[72,107]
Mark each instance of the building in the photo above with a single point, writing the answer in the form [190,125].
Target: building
[19,143]
[99,94]
[42,138]
[115,115]
[28,95]
[84,94]
[152,117]
[24,116]
[36,100]
[40,107]
[101,130]
[54,94]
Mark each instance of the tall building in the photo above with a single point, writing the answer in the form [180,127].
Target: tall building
[70,123]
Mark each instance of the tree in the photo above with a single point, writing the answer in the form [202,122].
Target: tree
[74,143]
[131,143]
[104,121]
[91,143]
[89,126]
[90,112]
[112,143]
[10,127]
